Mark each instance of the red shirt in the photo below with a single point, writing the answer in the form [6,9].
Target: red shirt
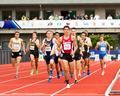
[67,45]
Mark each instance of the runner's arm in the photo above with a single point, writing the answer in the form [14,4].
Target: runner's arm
[10,44]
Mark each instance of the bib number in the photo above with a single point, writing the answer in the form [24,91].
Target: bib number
[103,49]
[16,46]
[48,48]
[67,46]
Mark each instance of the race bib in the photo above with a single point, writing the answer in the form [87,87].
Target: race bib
[16,46]
[67,46]
[103,49]
[48,48]
[32,47]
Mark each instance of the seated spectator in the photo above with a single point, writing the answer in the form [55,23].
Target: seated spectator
[109,17]
[9,17]
[56,17]
[23,17]
[51,17]
[97,17]
[61,18]
[86,17]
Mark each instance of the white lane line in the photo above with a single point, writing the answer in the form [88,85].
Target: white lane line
[107,92]
[21,77]
[30,85]
[74,84]
[25,86]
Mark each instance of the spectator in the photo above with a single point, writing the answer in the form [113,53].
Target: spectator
[23,17]
[35,18]
[109,17]
[61,18]
[56,17]
[91,17]
[86,17]
[51,17]
[97,17]
[9,17]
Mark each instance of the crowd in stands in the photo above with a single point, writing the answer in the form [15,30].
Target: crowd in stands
[68,17]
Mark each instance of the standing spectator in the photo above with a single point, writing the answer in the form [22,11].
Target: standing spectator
[109,17]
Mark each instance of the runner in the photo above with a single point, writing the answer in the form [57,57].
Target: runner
[16,45]
[67,42]
[46,49]
[77,55]
[85,51]
[102,47]
[34,46]
[55,53]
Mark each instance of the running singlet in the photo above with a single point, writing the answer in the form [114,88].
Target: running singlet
[85,48]
[66,45]
[102,46]
[49,45]
[33,46]
[16,44]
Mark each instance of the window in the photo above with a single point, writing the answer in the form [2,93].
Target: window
[34,14]
[19,14]
[111,12]
[89,12]
[5,14]
[68,14]
[47,14]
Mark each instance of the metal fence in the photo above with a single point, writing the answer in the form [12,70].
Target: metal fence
[5,57]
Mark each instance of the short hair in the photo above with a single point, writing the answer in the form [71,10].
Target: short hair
[49,31]
[17,32]
[56,33]
[73,28]
[102,35]
[66,27]
[84,33]
[35,32]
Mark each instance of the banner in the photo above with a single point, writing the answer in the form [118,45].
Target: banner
[37,24]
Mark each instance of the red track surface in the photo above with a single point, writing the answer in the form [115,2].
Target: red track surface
[37,85]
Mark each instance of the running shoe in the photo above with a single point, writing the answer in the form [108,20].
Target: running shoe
[68,86]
